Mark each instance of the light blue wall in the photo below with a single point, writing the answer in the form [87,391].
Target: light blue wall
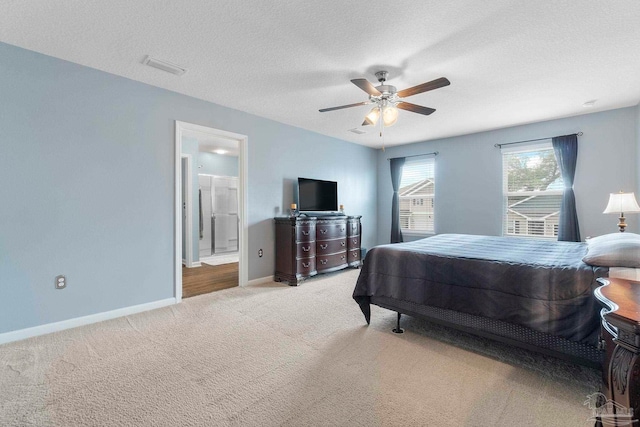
[87,172]
[307,155]
[469,173]
[216,164]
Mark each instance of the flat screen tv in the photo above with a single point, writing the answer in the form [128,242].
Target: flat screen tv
[315,195]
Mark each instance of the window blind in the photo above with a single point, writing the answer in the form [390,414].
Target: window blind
[416,193]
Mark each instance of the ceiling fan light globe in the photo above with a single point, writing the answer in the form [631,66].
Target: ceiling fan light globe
[389,116]
[373,116]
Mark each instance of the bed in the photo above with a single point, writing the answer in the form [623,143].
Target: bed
[534,293]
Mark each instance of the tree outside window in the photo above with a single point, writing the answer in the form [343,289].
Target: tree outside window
[532,191]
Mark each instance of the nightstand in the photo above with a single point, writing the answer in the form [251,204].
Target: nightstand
[620,332]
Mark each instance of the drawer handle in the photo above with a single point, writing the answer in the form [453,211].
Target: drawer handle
[355,241]
[342,243]
[355,254]
[305,233]
[306,249]
[306,265]
[342,257]
[324,246]
[342,229]
[323,231]
[323,261]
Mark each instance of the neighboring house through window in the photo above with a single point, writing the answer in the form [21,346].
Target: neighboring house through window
[417,189]
[532,191]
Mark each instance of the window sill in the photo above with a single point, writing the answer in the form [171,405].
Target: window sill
[417,233]
[524,236]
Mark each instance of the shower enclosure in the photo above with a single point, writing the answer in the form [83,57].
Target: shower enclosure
[218,212]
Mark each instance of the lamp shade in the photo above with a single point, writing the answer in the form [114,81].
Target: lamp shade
[389,115]
[622,202]
[373,116]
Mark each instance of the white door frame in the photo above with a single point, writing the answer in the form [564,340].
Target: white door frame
[188,261]
[243,238]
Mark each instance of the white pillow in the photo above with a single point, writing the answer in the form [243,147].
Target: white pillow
[614,250]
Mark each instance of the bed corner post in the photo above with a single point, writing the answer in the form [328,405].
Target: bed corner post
[398,329]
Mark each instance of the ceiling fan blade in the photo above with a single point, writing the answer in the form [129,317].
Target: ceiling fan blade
[343,106]
[366,123]
[366,86]
[415,108]
[424,87]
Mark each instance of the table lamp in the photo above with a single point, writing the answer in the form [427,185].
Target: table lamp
[619,203]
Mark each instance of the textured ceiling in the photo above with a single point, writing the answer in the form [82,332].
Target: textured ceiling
[509,62]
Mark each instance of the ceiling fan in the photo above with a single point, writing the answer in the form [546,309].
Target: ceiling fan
[386,99]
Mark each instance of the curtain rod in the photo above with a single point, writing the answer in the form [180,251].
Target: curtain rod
[435,153]
[532,140]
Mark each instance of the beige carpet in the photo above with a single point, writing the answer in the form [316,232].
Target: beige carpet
[275,355]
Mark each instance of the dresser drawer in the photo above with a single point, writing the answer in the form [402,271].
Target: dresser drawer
[328,262]
[353,256]
[305,249]
[325,247]
[353,242]
[306,266]
[305,233]
[331,231]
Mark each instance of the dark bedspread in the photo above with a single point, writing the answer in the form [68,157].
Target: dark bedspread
[540,284]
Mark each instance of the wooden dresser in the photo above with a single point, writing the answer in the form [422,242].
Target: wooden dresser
[620,332]
[306,246]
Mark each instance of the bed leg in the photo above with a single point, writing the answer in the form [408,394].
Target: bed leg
[398,329]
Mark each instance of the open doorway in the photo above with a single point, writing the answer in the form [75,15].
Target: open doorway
[218,228]
[211,225]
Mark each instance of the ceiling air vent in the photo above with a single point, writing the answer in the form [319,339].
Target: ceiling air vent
[164,66]
[357,131]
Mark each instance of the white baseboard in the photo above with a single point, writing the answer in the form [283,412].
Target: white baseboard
[260,280]
[80,321]
[193,263]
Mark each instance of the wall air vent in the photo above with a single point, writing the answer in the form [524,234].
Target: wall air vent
[357,131]
[164,66]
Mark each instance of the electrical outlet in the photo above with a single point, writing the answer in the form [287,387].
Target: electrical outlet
[260,253]
[61,282]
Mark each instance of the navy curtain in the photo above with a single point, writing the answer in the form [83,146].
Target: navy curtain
[566,151]
[396,175]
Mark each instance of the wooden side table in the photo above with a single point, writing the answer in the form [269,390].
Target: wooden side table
[620,332]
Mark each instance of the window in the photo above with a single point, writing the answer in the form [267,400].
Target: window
[532,191]
[416,194]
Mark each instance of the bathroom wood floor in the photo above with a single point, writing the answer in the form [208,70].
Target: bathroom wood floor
[208,278]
